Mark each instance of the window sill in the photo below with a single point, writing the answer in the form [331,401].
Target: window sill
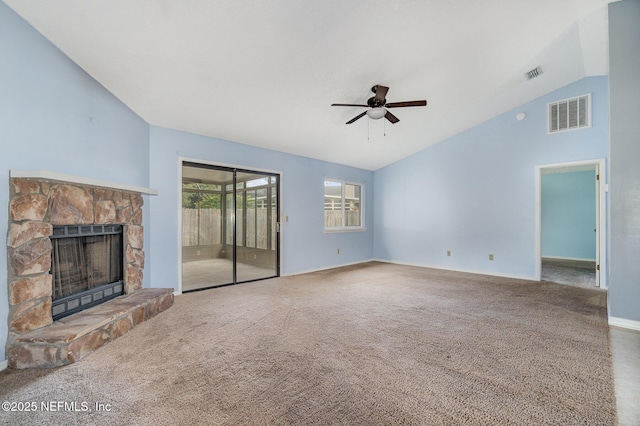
[337,230]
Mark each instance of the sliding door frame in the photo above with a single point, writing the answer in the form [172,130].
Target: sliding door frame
[231,168]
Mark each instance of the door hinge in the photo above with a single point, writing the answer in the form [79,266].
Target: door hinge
[277,226]
[597,267]
[597,177]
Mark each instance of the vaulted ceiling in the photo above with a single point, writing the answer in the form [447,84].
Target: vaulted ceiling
[265,72]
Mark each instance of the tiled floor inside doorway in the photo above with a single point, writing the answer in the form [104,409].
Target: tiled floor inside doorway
[211,272]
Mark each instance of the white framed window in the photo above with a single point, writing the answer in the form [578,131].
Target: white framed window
[343,206]
[569,114]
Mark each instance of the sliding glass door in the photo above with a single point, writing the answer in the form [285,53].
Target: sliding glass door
[207,259]
[230,221]
[256,226]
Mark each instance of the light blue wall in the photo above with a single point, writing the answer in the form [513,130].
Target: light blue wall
[54,117]
[568,215]
[624,66]
[474,194]
[305,245]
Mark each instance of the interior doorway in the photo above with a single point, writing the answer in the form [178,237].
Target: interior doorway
[230,226]
[571,223]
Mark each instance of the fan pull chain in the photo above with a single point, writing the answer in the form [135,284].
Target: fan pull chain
[384,124]
[368,124]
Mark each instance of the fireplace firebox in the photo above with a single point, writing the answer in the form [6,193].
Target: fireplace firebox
[86,267]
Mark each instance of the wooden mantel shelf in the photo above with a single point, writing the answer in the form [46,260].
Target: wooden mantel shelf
[62,177]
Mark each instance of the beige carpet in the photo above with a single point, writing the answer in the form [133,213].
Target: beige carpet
[362,345]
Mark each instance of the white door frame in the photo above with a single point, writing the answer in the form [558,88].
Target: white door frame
[601,216]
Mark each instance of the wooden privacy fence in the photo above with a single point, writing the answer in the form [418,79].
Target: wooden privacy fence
[333,218]
[203,227]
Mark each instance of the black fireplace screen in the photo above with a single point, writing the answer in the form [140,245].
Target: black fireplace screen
[86,264]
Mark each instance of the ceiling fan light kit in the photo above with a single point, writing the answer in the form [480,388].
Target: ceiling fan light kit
[376,113]
[379,107]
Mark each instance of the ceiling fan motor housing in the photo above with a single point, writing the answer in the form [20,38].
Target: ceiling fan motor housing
[373,103]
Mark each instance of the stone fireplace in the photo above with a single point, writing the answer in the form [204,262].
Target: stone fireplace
[37,208]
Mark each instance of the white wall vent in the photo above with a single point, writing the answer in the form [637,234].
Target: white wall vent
[533,73]
[569,114]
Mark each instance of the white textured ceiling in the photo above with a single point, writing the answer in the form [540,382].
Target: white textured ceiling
[265,72]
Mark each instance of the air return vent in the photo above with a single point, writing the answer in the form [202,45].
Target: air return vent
[569,114]
[533,73]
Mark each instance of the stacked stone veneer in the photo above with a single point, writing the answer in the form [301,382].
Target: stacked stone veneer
[35,207]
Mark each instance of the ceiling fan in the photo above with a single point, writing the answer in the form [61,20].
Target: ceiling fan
[378,105]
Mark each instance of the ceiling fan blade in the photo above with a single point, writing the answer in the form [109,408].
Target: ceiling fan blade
[381,92]
[356,117]
[356,105]
[406,104]
[392,118]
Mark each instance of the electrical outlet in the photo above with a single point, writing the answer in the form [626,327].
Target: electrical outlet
[448,252]
[198,253]
[490,257]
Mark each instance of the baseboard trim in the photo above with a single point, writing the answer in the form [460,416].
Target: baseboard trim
[290,274]
[4,365]
[568,258]
[467,271]
[420,265]
[624,323]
